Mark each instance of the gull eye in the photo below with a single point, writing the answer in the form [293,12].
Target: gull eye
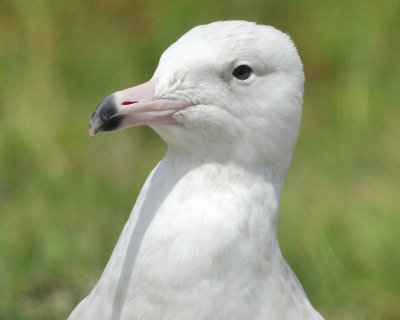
[242,72]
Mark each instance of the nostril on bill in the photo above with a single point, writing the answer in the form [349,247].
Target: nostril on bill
[126,103]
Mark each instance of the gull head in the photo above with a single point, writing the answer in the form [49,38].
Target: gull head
[226,90]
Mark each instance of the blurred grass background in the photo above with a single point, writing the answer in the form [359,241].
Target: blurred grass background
[64,198]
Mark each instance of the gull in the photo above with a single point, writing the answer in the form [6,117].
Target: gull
[201,241]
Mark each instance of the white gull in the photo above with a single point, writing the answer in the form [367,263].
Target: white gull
[201,241]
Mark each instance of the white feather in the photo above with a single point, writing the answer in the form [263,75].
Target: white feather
[201,241]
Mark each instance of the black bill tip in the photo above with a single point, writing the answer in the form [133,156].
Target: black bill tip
[104,117]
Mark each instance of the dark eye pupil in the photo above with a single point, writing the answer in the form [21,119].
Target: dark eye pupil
[242,72]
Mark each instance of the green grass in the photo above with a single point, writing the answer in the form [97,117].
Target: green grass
[64,198]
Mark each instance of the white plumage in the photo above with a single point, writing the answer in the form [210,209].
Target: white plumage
[201,241]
